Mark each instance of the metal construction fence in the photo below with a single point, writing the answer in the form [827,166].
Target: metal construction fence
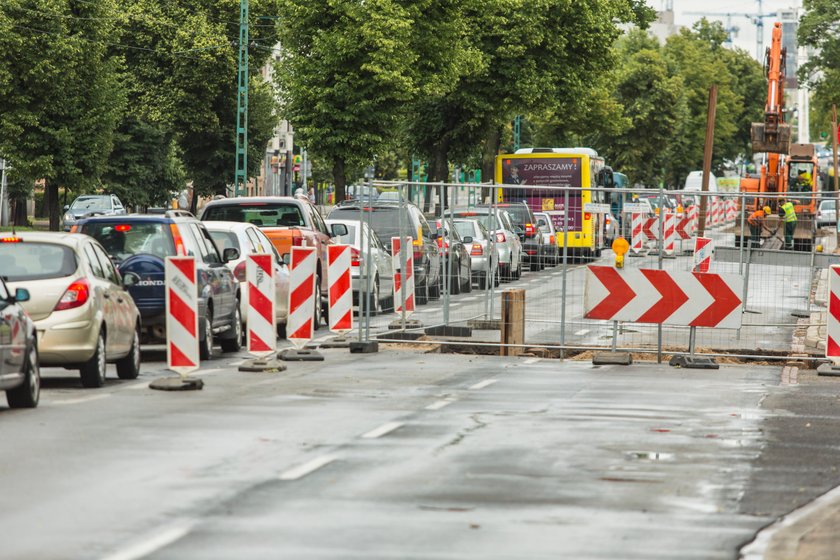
[550,253]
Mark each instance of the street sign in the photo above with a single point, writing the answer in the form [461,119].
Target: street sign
[663,297]
[596,208]
[261,325]
[182,333]
[704,248]
[635,208]
[340,289]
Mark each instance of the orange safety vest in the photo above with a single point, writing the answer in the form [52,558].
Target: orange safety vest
[756,218]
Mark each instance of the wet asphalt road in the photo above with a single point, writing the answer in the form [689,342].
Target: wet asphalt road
[411,455]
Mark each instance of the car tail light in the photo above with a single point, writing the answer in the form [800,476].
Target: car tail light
[10,239]
[76,295]
[123,227]
[418,249]
[500,237]
[531,251]
[551,240]
[530,231]
[239,271]
[608,219]
[178,240]
[355,257]
[297,240]
[477,250]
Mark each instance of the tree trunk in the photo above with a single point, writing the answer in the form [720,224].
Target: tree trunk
[19,212]
[439,167]
[340,178]
[51,204]
[488,158]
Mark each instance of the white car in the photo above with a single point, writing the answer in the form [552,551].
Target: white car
[381,268]
[497,221]
[250,240]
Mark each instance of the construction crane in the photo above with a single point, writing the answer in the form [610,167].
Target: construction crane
[756,19]
[788,169]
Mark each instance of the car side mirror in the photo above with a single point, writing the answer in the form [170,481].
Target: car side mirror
[468,239]
[287,259]
[230,254]
[66,207]
[338,230]
[21,295]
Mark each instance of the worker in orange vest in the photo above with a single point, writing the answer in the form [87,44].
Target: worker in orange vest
[756,222]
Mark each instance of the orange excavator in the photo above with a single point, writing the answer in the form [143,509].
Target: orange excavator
[787,168]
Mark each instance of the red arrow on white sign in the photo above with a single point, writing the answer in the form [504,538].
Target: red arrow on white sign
[651,229]
[683,227]
[663,297]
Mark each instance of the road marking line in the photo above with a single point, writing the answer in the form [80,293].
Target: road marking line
[136,386]
[82,399]
[307,468]
[482,384]
[471,298]
[582,332]
[152,544]
[532,360]
[382,430]
[437,405]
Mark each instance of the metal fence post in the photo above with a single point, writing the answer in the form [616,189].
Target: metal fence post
[401,229]
[447,258]
[661,243]
[565,268]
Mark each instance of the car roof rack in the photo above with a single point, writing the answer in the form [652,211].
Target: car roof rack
[178,214]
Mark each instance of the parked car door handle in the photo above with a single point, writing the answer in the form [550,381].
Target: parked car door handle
[120,300]
[106,295]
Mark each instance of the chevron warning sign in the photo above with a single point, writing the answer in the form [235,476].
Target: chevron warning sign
[663,297]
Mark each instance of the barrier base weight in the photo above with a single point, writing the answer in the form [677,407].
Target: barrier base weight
[177,384]
[693,362]
[337,342]
[447,330]
[296,355]
[612,359]
[409,324]
[269,364]
[828,370]
[485,324]
[369,347]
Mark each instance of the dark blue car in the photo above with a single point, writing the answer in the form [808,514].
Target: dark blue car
[138,245]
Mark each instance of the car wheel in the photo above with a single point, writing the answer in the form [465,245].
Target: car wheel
[376,303]
[423,293]
[205,346]
[234,342]
[455,280]
[318,313]
[28,393]
[497,278]
[129,367]
[482,281]
[93,371]
[467,288]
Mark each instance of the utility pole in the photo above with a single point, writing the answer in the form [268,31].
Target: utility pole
[707,156]
[4,194]
[240,179]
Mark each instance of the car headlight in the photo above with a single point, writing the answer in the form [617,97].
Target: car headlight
[68,217]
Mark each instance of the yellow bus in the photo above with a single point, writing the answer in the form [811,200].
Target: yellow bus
[580,169]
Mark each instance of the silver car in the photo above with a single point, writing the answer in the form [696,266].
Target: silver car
[484,257]
[248,239]
[89,205]
[551,253]
[498,223]
[827,213]
[381,268]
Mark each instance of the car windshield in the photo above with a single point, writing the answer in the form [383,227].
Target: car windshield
[91,203]
[487,220]
[385,221]
[225,240]
[465,228]
[261,214]
[519,213]
[24,260]
[122,240]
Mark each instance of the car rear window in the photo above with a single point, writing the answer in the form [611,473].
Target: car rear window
[124,239]
[487,220]
[35,261]
[91,203]
[259,214]
[519,212]
[384,221]
[465,229]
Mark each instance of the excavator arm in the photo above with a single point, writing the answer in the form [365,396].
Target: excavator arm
[773,135]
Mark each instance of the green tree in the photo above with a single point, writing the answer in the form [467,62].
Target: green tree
[61,90]
[818,30]
[345,74]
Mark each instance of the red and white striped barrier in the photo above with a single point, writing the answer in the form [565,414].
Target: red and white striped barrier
[669,227]
[302,296]
[181,315]
[340,289]
[651,228]
[731,211]
[637,237]
[693,212]
[703,250]
[261,325]
[832,344]
[663,297]
[683,227]
[398,276]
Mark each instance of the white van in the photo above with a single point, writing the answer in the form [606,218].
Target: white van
[694,182]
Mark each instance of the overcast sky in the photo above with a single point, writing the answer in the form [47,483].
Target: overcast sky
[746,35]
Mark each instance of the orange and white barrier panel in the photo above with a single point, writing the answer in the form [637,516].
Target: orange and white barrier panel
[181,315]
[638,237]
[340,289]
[669,226]
[403,279]
[299,325]
[262,328]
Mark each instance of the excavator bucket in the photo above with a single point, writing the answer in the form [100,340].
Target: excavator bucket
[775,141]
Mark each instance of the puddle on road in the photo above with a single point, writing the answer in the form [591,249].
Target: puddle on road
[648,456]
